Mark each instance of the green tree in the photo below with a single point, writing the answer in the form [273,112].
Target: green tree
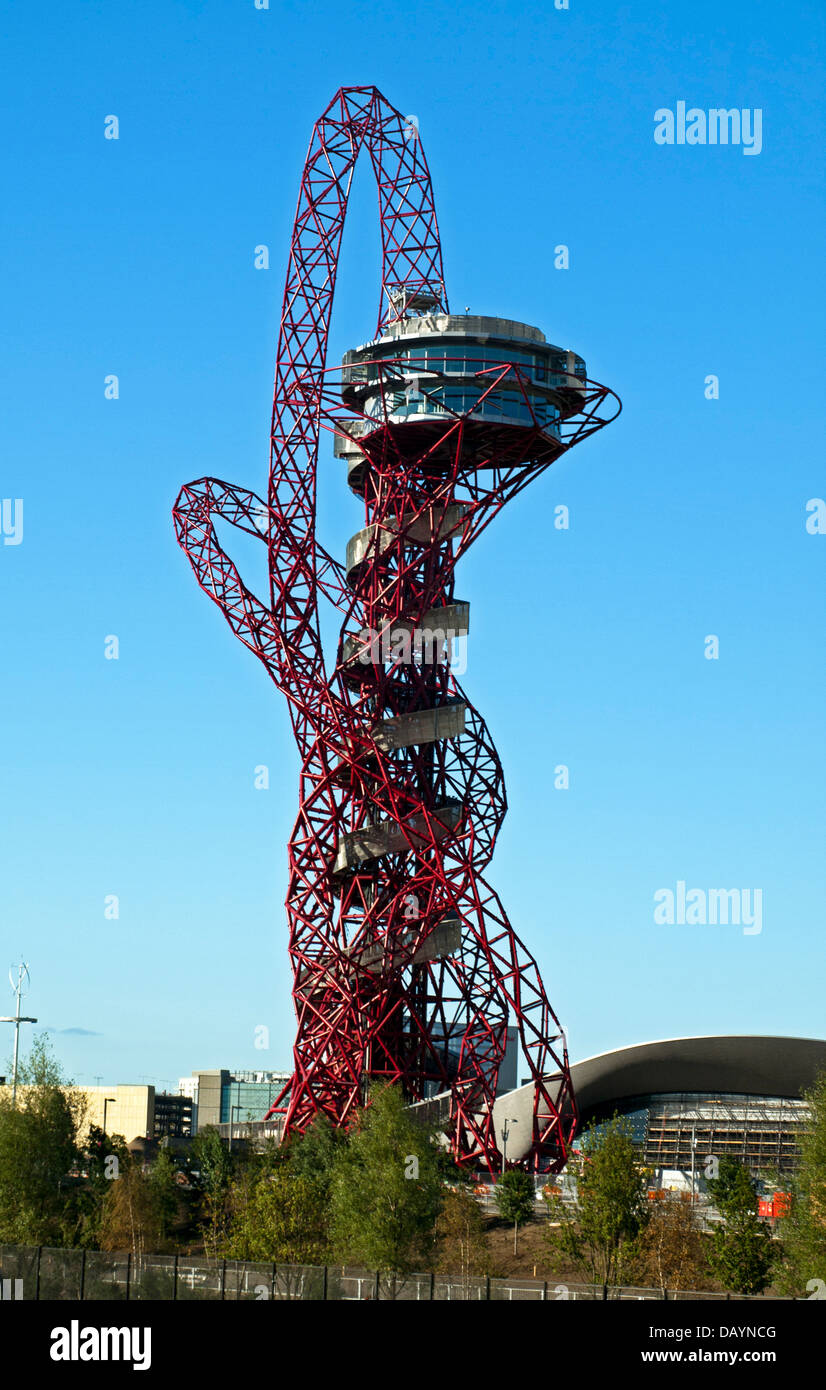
[209,1163]
[278,1216]
[742,1254]
[514,1198]
[670,1251]
[280,1204]
[38,1151]
[733,1191]
[598,1235]
[210,1168]
[742,1251]
[131,1218]
[463,1244]
[803,1230]
[101,1158]
[314,1153]
[386,1190]
[163,1183]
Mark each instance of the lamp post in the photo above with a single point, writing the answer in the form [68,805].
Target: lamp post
[22,974]
[107,1100]
[506,1129]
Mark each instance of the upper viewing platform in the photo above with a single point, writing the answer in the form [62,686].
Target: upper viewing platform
[464,325]
[463,345]
[432,366]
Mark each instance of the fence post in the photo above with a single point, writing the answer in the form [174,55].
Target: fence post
[432,1284]
[376,1286]
[37,1273]
[223,1278]
[82,1276]
[324,1286]
[175,1279]
[487,1287]
[544,1291]
[128,1273]
[665,1295]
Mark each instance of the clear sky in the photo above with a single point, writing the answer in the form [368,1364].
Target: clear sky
[687,517]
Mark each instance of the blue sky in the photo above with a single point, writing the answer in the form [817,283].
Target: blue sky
[687,517]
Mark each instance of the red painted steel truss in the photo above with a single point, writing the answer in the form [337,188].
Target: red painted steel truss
[405,965]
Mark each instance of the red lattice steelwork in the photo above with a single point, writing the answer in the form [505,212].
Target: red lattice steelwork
[405,965]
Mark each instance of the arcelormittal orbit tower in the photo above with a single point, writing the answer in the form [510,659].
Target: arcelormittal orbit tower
[405,966]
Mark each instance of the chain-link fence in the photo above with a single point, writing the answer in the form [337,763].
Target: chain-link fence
[38,1272]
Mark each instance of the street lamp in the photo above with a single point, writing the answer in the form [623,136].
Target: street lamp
[22,973]
[506,1129]
[107,1100]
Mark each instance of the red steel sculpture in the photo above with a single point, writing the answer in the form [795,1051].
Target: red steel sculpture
[406,968]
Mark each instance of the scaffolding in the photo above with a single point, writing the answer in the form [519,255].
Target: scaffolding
[761,1132]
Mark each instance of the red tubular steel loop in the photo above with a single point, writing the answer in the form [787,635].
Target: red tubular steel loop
[373,998]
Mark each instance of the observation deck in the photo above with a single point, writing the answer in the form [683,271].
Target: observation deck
[433,368]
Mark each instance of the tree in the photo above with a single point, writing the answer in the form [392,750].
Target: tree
[281,1203]
[514,1198]
[102,1156]
[463,1245]
[164,1186]
[733,1191]
[209,1163]
[38,1151]
[210,1168]
[313,1154]
[611,1205]
[742,1254]
[742,1251]
[670,1251]
[803,1230]
[280,1217]
[386,1190]
[131,1218]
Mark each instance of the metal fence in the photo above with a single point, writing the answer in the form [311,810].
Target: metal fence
[38,1272]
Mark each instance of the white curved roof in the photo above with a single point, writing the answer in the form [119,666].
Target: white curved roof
[755,1065]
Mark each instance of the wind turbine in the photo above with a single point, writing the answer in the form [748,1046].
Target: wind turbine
[19,988]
